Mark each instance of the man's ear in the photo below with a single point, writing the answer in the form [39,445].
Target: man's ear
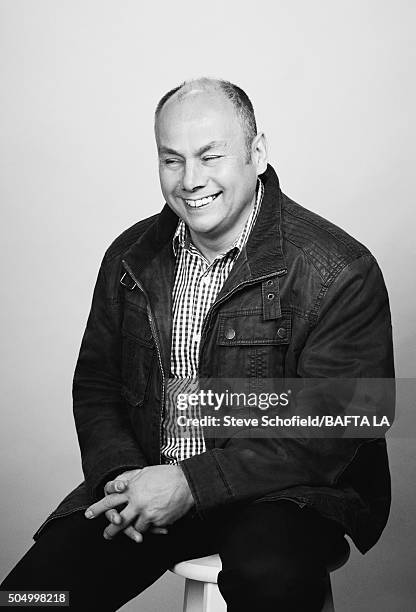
[259,153]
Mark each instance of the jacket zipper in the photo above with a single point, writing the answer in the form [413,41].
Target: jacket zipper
[157,344]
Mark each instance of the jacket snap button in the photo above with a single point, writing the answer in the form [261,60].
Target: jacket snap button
[281,332]
[230,333]
[270,296]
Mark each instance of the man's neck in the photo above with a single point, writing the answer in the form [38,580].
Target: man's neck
[212,250]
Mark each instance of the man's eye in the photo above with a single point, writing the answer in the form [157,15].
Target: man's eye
[171,162]
[211,157]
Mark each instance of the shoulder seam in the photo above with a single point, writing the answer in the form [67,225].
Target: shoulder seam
[323,244]
[327,230]
[308,257]
[330,281]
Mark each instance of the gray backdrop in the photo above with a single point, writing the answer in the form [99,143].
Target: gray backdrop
[332,84]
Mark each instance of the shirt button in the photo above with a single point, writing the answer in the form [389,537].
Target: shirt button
[230,333]
[281,332]
[270,296]
[269,283]
[197,337]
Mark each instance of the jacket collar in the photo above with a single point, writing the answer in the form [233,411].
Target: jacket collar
[262,256]
[264,250]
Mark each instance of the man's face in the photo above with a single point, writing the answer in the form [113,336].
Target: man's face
[204,172]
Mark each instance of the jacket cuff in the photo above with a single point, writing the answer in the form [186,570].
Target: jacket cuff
[207,482]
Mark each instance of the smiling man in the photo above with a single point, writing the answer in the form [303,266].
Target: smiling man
[209,161]
[231,280]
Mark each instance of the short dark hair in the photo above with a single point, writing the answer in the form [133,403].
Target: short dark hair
[240,100]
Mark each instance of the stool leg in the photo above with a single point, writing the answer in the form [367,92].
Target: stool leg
[202,597]
[329,602]
[193,600]
[213,600]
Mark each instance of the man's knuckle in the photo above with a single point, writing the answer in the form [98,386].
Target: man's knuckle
[109,501]
[130,531]
[146,515]
[140,525]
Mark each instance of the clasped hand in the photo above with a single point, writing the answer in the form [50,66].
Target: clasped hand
[153,498]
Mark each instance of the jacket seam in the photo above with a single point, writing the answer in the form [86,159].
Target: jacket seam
[222,475]
[348,463]
[55,515]
[307,257]
[345,241]
[336,272]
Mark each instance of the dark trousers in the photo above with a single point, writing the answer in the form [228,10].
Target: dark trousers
[273,557]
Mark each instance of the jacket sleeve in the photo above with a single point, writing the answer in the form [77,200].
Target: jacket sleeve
[352,338]
[106,438]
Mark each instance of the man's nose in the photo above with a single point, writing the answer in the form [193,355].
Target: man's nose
[193,176]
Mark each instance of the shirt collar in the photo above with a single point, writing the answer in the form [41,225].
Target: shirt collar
[182,238]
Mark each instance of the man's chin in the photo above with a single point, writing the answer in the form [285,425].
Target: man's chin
[204,230]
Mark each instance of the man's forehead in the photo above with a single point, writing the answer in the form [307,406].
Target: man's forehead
[196,135]
[200,117]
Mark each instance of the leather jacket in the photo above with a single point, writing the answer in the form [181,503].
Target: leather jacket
[330,308]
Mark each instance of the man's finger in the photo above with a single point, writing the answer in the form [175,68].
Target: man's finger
[159,530]
[107,503]
[114,517]
[115,486]
[127,517]
[137,537]
[143,523]
[130,532]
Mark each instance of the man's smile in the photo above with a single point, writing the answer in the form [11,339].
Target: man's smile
[202,201]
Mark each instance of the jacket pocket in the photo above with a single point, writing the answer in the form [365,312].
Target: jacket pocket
[138,350]
[301,502]
[250,346]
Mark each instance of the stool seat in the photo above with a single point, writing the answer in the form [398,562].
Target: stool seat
[204,569]
[201,591]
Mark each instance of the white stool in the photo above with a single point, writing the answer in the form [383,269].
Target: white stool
[202,593]
[201,590]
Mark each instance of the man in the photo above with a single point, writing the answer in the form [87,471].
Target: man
[231,280]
